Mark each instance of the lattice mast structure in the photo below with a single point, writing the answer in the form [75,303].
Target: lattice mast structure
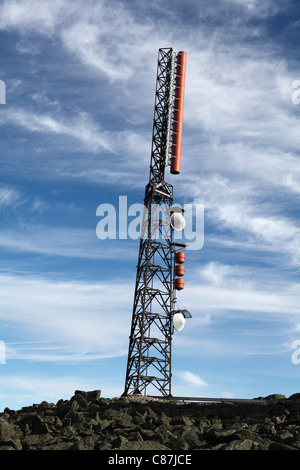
[149,354]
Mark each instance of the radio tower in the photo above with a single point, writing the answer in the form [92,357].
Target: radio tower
[160,263]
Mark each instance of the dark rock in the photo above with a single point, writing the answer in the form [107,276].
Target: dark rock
[145,445]
[86,443]
[6,430]
[105,423]
[88,422]
[6,447]
[295,396]
[120,443]
[243,444]
[94,395]
[89,396]
[275,396]
[280,446]
[218,435]
[15,444]
[57,446]
[38,425]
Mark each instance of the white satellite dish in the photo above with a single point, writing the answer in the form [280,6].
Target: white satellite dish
[177,221]
[177,209]
[178,321]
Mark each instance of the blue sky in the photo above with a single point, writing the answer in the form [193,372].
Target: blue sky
[76,133]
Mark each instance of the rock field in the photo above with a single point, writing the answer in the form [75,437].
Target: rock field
[89,422]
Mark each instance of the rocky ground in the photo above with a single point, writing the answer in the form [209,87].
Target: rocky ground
[89,422]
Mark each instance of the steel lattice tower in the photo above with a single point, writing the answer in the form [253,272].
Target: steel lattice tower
[149,354]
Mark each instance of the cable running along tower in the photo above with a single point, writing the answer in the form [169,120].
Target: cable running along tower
[160,263]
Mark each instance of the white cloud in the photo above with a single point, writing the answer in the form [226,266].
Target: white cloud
[57,321]
[65,321]
[250,164]
[271,229]
[9,196]
[276,233]
[90,138]
[31,15]
[216,273]
[251,209]
[81,127]
[39,205]
[85,41]
[191,378]
[241,301]
[65,242]
[111,40]
[258,8]
[240,290]
[103,35]
[252,102]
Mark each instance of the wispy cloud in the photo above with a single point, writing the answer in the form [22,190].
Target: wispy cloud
[31,15]
[97,39]
[63,241]
[71,321]
[242,289]
[65,321]
[110,155]
[257,8]
[251,213]
[191,378]
[85,41]
[81,127]
[9,196]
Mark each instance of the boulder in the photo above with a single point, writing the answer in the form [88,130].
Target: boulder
[6,430]
[275,396]
[295,396]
